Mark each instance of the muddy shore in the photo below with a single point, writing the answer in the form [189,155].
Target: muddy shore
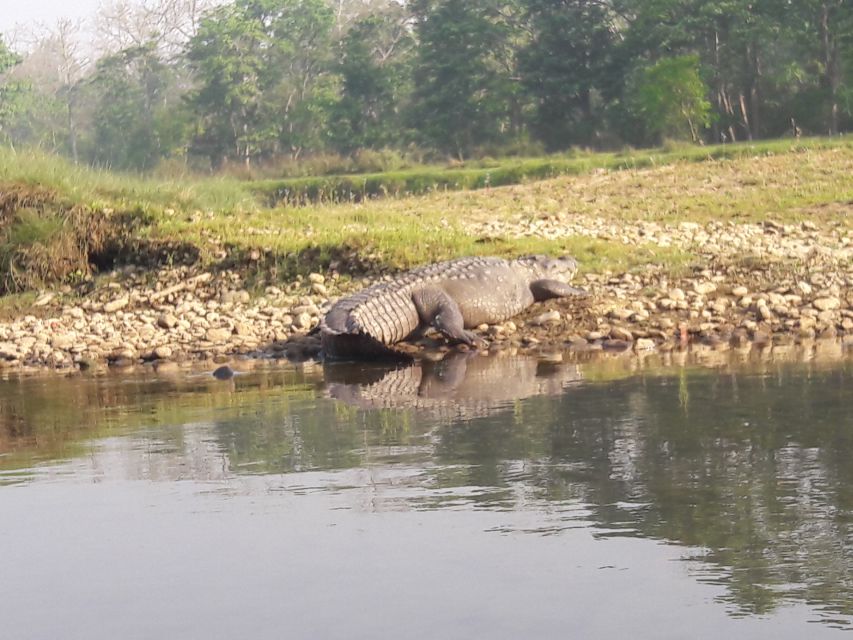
[753,284]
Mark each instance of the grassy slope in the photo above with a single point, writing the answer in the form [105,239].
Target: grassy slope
[782,180]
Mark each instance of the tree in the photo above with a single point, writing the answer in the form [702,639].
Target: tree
[563,67]
[165,24]
[374,67]
[259,67]
[826,40]
[71,67]
[671,97]
[10,90]
[131,94]
[462,90]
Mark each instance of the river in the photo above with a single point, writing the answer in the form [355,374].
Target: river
[702,494]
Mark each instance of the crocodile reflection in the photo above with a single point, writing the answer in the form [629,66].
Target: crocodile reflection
[459,386]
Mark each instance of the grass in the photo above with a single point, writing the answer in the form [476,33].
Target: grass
[358,187]
[101,189]
[788,180]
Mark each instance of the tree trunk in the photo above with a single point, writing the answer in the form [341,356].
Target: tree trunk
[719,92]
[745,116]
[754,92]
[832,67]
[72,126]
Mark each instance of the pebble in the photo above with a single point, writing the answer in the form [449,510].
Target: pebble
[196,315]
[704,288]
[549,317]
[218,336]
[117,304]
[620,333]
[166,321]
[162,352]
[826,304]
[223,373]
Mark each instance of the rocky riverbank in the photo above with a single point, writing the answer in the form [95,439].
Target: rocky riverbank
[757,284]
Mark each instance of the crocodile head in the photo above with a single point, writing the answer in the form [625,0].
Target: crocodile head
[548,268]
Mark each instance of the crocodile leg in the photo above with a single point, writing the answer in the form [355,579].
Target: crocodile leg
[438,309]
[545,289]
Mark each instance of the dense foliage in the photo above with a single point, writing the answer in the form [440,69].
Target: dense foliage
[263,82]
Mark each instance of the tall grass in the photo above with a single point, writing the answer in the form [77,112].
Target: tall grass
[102,189]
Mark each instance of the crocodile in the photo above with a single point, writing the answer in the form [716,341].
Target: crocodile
[451,297]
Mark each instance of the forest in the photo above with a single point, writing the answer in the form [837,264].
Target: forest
[167,85]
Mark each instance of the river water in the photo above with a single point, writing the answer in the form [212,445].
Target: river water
[688,495]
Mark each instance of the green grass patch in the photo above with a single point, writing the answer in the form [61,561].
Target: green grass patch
[101,189]
[359,187]
[49,207]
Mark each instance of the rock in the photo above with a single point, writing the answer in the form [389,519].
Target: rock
[704,288]
[316,278]
[63,342]
[44,299]
[85,363]
[620,314]
[548,317]
[162,352]
[240,296]
[123,353]
[115,305]
[828,303]
[303,321]
[676,294]
[804,287]
[620,333]
[166,321]
[243,329]
[764,312]
[740,291]
[8,351]
[223,373]
[667,303]
[218,336]
[309,309]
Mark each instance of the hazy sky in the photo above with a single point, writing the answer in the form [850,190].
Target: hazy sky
[25,12]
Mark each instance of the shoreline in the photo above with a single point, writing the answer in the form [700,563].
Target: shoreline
[758,284]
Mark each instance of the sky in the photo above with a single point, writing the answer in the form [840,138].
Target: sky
[27,12]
